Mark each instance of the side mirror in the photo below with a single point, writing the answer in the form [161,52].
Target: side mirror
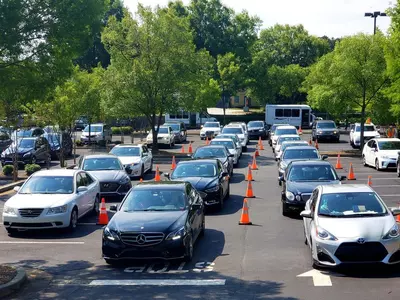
[144,154]
[343,178]
[324,157]
[231,155]
[224,174]
[113,208]
[128,170]
[306,214]
[375,149]
[166,175]
[82,189]
[16,188]
[281,178]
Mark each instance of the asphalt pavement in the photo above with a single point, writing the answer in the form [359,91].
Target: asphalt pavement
[267,260]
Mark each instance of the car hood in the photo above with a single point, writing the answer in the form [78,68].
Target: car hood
[145,221]
[306,187]
[255,128]
[327,129]
[108,175]
[368,228]
[150,135]
[127,160]
[199,183]
[368,133]
[11,150]
[38,200]
[390,153]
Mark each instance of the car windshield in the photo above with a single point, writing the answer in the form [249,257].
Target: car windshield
[211,124]
[48,185]
[26,143]
[366,128]
[232,130]
[24,133]
[126,151]
[226,136]
[228,144]
[194,170]
[93,128]
[255,124]
[326,125]
[300,154]
[275,127]
[175,127]
[282,131]
[99,164]
[288,138]
[163,130]
[210,152]
[155,200]
[312,173]
[389,145]
[53,139]
[359,204]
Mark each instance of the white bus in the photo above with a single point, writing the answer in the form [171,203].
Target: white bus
[296,115]
[191,119]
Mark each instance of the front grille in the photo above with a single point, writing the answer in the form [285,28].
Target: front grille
[30,212]
[395,257]
[108,187]
[31,225]
[305,197]
[141,239]
[325,257]
[392,165]
[368,252]
[159,138]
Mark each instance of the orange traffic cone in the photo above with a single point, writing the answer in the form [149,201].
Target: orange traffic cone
[338,164]
[249,174]
[257,153]
[316,144]
[254,163]
[173,165]
[244,218]
[249,191]
[157,177]
[300,131]
[190,150]
[261,145]
[103,216]
[370,180]
[351,176]
[183,149]
[310,142]
[398,219]
[207,141]
[259,141]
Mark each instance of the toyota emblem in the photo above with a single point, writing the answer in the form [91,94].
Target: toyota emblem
[141,239]
[361,241]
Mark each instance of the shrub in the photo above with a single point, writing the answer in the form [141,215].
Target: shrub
[8,170]
[122,130]
[30,169]
[78,143]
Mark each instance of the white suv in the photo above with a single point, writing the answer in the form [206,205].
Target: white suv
[370,132]
[213,128]
[98,133]
[165,136]
[239,131]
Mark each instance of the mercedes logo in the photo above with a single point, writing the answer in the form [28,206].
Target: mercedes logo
[361,241]
[141,239]
[30,212]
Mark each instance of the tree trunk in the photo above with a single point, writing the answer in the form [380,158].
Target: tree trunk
[362,127]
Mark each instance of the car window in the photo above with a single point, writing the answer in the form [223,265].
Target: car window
[163,130]
[326,125]
[312,173]
[300,154]
[314,198]
[281,131]
[389,145]
[89,180]
[80,180]
[211,124]
[373,144]
[194,170]
[126,151]
[210,152]
[48,185]
[369,144]
[228,144]
[102,163]
[233,130]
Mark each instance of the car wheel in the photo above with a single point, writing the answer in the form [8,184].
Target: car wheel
[313,138]
[151,166]
[280,183]
[112,262]
[73,220]
[203,227]
[245,149]
[364,161]
[96,206]
[338,140]
[142,172]
[228,192]
[11,231]
[221,200]
[189,250]
[398,170]
[377,165]
[285,211]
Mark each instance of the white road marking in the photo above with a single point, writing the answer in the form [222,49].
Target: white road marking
[319,278]
[159,282]
[52,243]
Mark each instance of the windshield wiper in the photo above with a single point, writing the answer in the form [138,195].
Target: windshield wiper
[330,216]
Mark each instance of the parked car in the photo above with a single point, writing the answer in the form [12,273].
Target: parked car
[5,141]
[284,138]
[370,132]
[109,171]
[381,153]
[81,123]
[242,124]
[234,138]
[283,130]
[157,220]
[325,130]
[228,143]
[137,158]
[350,224]
[257,129]
[301,178]
[271,132]
[207,176]
[179,131]
[54,198]
[25,133]
[98,133]
[238,130]
[31,150]
[219,152]
[165,136]
[282,148]
[210,129]
[55,141]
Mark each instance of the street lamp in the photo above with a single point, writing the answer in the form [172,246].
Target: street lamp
[375,15]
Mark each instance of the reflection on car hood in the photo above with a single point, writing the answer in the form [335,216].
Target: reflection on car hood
[306,186]
[11,150]
[38,200]
[145,221]
[126,160]
[369,228]
[199,183]
[108,175]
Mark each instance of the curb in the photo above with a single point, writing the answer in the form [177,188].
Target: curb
[330,154]
[15,284]
[8,187]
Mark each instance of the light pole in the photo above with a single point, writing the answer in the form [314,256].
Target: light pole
[375,15]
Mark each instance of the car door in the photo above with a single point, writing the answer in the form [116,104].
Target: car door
[82,198]
[195,212]
[367,151]
[40,149]
[373,152]
[92,190]
[145,157]
[223,180]
[191,210]
[310,205]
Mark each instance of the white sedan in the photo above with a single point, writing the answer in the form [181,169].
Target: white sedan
[381,153]
[52,199]
[284,138]
[210,128]
[137,158]
[231,147]
[165,136]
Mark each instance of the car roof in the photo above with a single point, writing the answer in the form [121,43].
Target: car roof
[57,172]
[302,148]
[288,135]
[211,122]
[287,127]
[325,121]
[295,142]
[223,140]
[212,146]
[359,124]
[233,126]
[128,145]
[28,138]
[346,188]
[193,161]
[173,185]
[312,162]
[97,124]
[100,155]
[387,139]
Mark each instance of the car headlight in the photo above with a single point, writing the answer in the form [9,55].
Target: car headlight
[319,132]
[176,235]
[335,132]
[165,137]
[124,180]
[110,234]
[134,165]
[324,235]
[392,233]
[57,210]
[213,189]
[9,210]
[289,196]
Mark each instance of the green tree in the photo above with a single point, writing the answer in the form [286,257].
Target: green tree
[154,66]
[351,77]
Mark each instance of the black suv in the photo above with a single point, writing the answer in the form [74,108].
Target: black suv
[55,140]
[5,141]
[178,130]
[325,130]
[257,129]
[30,150]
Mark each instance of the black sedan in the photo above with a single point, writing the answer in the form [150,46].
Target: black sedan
[207,176]
[156,220]
[301,178]
[257,129]
[219,152]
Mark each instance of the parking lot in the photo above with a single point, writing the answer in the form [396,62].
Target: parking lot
[267,260]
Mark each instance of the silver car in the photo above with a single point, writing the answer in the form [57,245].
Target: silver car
[350,224]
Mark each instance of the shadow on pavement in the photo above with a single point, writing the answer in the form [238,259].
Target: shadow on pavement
[231,206]
[237,178]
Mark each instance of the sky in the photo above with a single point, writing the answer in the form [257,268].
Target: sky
[333,18]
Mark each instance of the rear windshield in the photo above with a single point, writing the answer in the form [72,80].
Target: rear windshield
[300,154]
[281,131]
[211,124]
[233,130]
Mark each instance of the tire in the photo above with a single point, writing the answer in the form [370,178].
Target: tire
[364,161]
[11,231]
[377,165]
[228,192]
[221,201]
[151,167]
[96,206]
[142,172]
[280,183]
[203,227]
[285,211]
[245,149]
[73,220]
[398,170]
[112,262]
[189,250]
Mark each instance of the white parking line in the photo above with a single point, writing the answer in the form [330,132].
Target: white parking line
[31,242]
[159,282]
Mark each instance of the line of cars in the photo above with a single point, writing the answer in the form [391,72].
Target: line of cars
[343,223]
